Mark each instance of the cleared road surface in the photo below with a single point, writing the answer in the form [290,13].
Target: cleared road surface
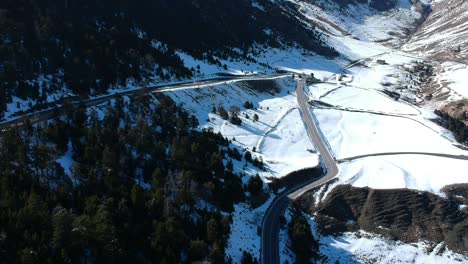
[271,224]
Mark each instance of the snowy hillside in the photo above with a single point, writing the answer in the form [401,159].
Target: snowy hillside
[361,21]
[443,37]
[444,34]
[278,137]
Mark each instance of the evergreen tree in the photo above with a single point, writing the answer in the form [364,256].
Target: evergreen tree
[223,113]
[248,259]
[255,117]
[198,250]
[304,245]
[248,156]
[132,190]
[248,105]
[255,185]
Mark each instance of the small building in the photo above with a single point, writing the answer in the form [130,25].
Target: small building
[381,62]
[311,79]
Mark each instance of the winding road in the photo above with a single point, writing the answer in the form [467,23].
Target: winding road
[271,223]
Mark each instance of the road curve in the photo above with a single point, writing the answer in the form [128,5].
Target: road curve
[271,225]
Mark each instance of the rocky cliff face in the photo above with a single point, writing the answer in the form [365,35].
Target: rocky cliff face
[404,215]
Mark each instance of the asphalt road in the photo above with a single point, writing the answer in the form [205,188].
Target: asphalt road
[271,224]
[44,115]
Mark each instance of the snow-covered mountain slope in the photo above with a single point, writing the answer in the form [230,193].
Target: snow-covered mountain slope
[443,38]
[412,217]
[364,247]
[362,21]
[444,33]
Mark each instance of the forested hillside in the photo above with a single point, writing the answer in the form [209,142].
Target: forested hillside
[85,47]
[133,183]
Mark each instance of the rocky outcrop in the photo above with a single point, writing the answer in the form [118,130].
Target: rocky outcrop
[399,214]
[455,118]
[459,193]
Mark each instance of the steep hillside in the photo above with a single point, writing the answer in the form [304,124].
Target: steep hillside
[388,22]
[443,40]
[54,49]
[400,214]
[444,34]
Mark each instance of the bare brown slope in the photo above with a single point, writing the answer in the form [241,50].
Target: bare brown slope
[400,214]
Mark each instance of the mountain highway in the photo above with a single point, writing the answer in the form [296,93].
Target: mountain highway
[271,221]
[271,224]
[47,114]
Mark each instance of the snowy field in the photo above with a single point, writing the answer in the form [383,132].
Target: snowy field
[418,172]
[351,134]
[288,145]
[361,99]
[363,120]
